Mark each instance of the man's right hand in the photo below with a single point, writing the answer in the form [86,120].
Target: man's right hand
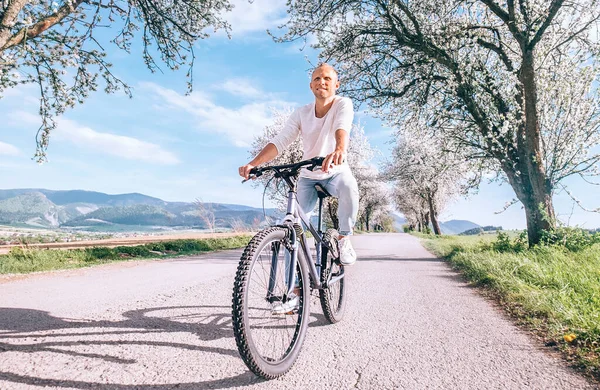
[244,170]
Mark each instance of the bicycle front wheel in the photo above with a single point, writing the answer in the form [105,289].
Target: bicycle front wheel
[333,300]
[268,323]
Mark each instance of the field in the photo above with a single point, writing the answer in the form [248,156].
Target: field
[11,237]
[22,259]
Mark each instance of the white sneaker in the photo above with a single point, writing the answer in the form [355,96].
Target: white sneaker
[347,254]
[289,307]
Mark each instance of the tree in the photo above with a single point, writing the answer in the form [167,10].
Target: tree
[374,197]
[206,212]
[513,79]
[58,46]
[431,169]
[412,206]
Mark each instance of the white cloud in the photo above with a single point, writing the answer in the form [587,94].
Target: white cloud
[117,145]
[8,150]
[258,15]
[241,87]
[27,94]
[240,125]
[23,119]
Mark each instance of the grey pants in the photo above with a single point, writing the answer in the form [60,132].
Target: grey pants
[341,185]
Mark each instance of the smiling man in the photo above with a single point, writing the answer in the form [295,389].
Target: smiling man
[324,127]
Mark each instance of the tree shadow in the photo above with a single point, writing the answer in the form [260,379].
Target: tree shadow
[388,258]
[245,379]
[205,323]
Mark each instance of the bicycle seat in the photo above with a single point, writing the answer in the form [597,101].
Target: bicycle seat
[321,191]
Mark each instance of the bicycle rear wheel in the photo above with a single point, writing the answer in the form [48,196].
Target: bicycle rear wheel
[269,326]
[333,300]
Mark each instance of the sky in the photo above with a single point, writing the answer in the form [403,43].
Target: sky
[165,144]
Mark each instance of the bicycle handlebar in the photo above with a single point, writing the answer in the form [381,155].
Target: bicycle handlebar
[291,168]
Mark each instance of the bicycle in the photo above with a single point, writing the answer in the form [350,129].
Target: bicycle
[275,279]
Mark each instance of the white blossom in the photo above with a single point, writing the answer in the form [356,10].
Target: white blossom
[56,45]
[514,83]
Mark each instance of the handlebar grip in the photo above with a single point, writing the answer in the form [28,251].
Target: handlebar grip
[256,172]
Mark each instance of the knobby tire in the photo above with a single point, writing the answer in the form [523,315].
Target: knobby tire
[246,335]
[333,299]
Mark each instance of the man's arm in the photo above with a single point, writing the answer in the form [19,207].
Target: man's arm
[341,150]
[268,153]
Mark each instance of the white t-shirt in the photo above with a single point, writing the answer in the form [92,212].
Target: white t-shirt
[318,134]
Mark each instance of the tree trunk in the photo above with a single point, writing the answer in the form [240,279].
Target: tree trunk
[367,218]
[539,210]
[433,214]
[424,222]
[531,186]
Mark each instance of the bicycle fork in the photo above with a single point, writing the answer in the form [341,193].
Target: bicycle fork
[290,262]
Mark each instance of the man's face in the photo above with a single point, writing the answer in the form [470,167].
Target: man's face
[324,82]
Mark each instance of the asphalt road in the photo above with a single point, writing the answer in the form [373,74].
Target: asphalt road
[411,323]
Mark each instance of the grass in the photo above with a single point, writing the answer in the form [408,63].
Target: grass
[553,291]
[24,260]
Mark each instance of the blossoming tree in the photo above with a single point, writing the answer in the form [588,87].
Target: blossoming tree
[429,172]
[516,80]
[57,45]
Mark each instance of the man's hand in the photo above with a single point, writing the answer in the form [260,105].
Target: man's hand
[244,170]
[336,158]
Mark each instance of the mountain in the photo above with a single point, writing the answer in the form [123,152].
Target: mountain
[457,226]
[453,226]
[81,209]
[91,197]
[398,222]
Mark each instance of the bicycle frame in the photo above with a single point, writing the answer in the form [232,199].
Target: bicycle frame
[294,215]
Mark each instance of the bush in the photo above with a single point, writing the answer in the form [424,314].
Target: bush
[133,251]
[504,243]
[574,239]
[101,253]
[186,246]
[155,246]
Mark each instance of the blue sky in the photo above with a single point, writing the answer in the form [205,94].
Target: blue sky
[181,148]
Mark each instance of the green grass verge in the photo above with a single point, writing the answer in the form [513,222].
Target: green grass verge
[23,260]
[553,291]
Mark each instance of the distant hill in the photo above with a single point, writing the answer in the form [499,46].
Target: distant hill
[454,226]
[80,209]
[398,222]
[480,230]
[80,196]
[457,226]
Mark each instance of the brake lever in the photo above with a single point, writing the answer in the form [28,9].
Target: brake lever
[252,177]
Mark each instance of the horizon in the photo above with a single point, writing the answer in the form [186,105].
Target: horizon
[397,213]
[179,148]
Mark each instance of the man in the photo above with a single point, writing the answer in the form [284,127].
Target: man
[325,127]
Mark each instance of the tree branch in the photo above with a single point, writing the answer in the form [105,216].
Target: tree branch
[554,7]
[42,25]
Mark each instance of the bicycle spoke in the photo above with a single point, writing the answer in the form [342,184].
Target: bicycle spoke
[273,334]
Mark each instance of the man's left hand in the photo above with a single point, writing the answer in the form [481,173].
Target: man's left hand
[336,158]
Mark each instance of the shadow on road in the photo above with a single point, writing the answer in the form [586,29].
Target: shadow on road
[388,258]
[20,330]
[244,379]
